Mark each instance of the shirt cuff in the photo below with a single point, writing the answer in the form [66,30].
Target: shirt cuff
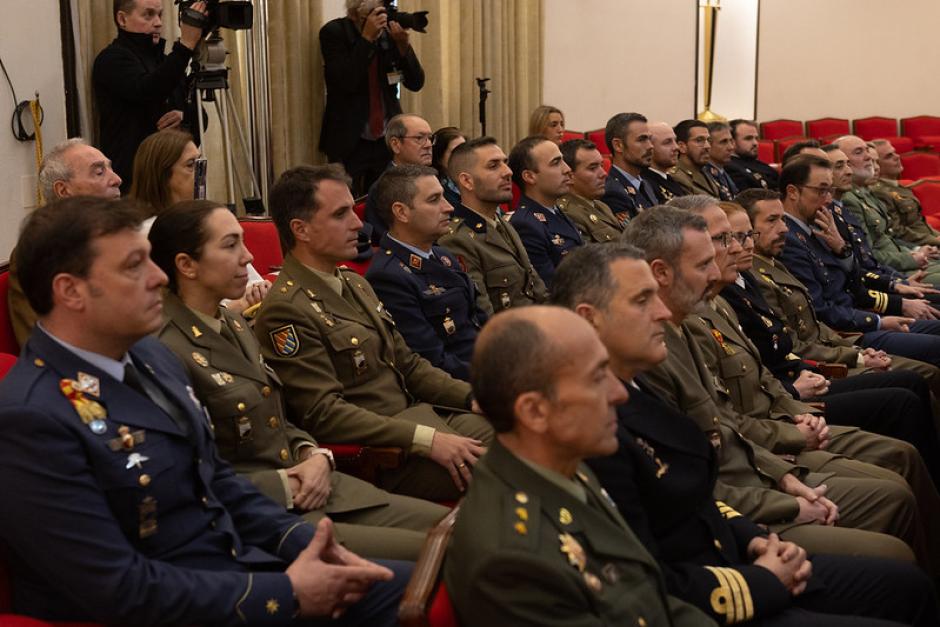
[301,447]
[423,438]
[288,502]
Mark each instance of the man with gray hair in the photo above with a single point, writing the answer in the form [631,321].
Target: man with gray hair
[71,168]
[366,58]
[904,210]
[788,497]
[410,141]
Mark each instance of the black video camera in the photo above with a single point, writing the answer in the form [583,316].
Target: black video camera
[417,21]
[233,14]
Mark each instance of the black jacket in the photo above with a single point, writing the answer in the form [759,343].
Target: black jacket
[135,83]
[346,57]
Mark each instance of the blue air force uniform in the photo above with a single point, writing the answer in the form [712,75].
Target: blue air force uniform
[433,302]
[627,198]
[120,510]
[547,234]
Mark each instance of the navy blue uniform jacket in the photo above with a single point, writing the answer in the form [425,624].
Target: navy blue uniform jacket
[433,302]
[90,538]
[546,235]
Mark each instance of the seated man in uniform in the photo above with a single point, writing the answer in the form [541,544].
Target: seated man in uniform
[663,475]
[631,150]
[694,143]
[487,246]
[904,210]
[348,374]
[719,156]
[537,541]
[665,157]
[799,498]
[71,168]
[118,508]
[543,176]
[746,170]
[433,301]
[582,204]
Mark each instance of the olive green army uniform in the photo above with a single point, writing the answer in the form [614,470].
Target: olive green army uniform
[533,548]
[904,212]
[812,338]
[749,474]
[349,377]
[594,219]
[243,398]
[694,179]
[495,258]
[886,245]
[22,316]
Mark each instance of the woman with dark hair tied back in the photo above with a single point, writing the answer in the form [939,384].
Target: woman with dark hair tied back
[164,174]
[199,245]
[445,140]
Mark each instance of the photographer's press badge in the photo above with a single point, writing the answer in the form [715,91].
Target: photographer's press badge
[394,78]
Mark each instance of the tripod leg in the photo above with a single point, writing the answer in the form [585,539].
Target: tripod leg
[245,153]
[221,111]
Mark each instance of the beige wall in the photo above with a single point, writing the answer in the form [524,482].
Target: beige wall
[607,56]
[848,58]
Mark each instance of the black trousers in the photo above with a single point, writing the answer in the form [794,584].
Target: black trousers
[365,164]
[862,591]
[894,403]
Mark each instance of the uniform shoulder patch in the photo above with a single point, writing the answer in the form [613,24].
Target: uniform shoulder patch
[285,340]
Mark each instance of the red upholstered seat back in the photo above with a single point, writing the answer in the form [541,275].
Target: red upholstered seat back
[919,165]
[262,240]
[824,127]
[928,193]
[778,129]
[875,128]
[569,135]
[597,136]
[7,339]
[441,612]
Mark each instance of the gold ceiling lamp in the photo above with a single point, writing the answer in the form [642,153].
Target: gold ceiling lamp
[710,10]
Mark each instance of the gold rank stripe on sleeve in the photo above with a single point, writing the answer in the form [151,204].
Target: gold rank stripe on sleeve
[881,301]
[726,510]
[732,597]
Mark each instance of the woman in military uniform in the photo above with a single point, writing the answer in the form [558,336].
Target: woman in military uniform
[200,247]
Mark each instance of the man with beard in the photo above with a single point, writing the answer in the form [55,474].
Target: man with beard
[665,157]
[694,143]
[746,170]
[719,156]
[487,246]
[582,204]
[631,149]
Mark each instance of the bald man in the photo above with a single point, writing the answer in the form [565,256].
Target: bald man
[665,158]
[538,542]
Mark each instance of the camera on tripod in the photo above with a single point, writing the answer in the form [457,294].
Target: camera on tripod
[232,14]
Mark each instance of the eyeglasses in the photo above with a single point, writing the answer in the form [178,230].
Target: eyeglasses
[724,239]
[704,139]
[421,139]
[821,191]
[742,236]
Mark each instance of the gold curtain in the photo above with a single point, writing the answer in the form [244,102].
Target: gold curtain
[499,39]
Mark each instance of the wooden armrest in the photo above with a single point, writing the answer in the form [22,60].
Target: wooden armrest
[833,371]
[365,462]
[412,612]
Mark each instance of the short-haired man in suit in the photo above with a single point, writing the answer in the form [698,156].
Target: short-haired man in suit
[631,150]
[746,170]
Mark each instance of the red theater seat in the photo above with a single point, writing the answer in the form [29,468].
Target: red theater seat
[825,127]
[928,193]
[875,127]
[782,145]
[919,165]
[569,135]
[779,129]
[597,137]
[923,129]
[606,164]
[7,338]
[262,241]
[765,150]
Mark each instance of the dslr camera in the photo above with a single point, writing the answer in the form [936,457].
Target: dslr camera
[417,21]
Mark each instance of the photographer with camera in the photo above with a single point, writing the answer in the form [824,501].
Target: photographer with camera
[366,55]
[138,88]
